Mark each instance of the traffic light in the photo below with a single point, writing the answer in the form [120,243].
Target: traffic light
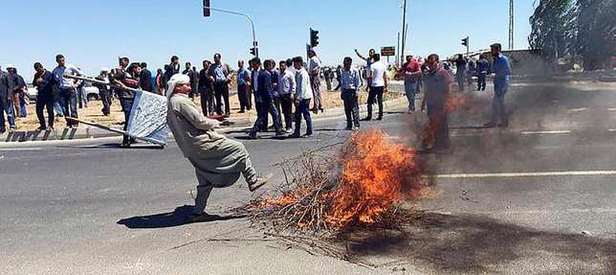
[314,38]
[254,51]
[465,42]
[206,8]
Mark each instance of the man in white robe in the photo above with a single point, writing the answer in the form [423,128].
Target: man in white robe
[219,162]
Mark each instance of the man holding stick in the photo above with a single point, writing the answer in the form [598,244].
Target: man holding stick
[67,89]
[122,78]
[219,162]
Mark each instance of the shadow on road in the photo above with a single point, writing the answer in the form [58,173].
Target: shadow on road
[474,244]
[136,146]
[176,218]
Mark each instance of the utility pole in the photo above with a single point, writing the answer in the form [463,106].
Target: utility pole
[255,45]
[398,59]
[511,24]
[403,43]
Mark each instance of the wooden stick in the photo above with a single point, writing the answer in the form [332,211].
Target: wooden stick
[150,140]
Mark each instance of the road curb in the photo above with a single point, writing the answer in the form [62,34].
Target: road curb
[91,133]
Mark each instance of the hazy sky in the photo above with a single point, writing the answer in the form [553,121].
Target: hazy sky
[93,33]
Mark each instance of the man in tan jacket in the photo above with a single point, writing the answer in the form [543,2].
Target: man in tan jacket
[219,162]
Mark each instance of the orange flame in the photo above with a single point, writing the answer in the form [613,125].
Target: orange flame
[375,174]
[369,177]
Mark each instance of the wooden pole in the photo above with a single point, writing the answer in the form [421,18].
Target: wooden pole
[150,140]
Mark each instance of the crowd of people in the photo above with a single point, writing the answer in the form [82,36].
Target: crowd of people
[439,81]
[287,91]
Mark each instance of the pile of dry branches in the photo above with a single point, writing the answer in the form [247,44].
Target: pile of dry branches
[360,185]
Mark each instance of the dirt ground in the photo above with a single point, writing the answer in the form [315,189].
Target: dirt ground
[116,118]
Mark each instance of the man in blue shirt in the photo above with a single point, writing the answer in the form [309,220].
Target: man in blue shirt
[483,68]
[501,70]
[243,78]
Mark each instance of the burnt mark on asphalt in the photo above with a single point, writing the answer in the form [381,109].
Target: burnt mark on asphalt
[469,243]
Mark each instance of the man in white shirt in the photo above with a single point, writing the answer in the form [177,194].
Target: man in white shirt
[286,89]
[350,82]
[378,84]
[303,95]
[67,88]
[314,69]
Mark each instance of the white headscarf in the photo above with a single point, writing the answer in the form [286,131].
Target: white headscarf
[174,81]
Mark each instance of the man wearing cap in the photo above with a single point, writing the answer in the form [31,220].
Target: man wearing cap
[501,70]
[67,89]
[6,103]
[43,80]
[219,162]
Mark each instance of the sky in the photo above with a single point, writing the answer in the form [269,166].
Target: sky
[93,33]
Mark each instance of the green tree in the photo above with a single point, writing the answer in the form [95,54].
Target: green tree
[553,28]
[585,28]
[596,31]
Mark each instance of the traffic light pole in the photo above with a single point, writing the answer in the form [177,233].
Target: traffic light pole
[404,30]
[468,45]
[252,26]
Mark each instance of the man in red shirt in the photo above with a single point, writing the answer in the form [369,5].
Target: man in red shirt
[412,75]
[439,83]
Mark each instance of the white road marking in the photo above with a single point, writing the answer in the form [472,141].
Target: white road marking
[22,149]
[577,110]
[611,130]
[547,132]
[473,134]
[526,174]
[611,109]
[536,211]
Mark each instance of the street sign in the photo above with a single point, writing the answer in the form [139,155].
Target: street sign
[388,51]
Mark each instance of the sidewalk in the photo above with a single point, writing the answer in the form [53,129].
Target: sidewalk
[236,123]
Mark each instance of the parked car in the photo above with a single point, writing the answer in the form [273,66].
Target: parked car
[91,92]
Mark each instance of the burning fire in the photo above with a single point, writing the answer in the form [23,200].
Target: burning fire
[376,173]
[370,175]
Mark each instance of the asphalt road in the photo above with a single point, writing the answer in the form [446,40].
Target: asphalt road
[536,197]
